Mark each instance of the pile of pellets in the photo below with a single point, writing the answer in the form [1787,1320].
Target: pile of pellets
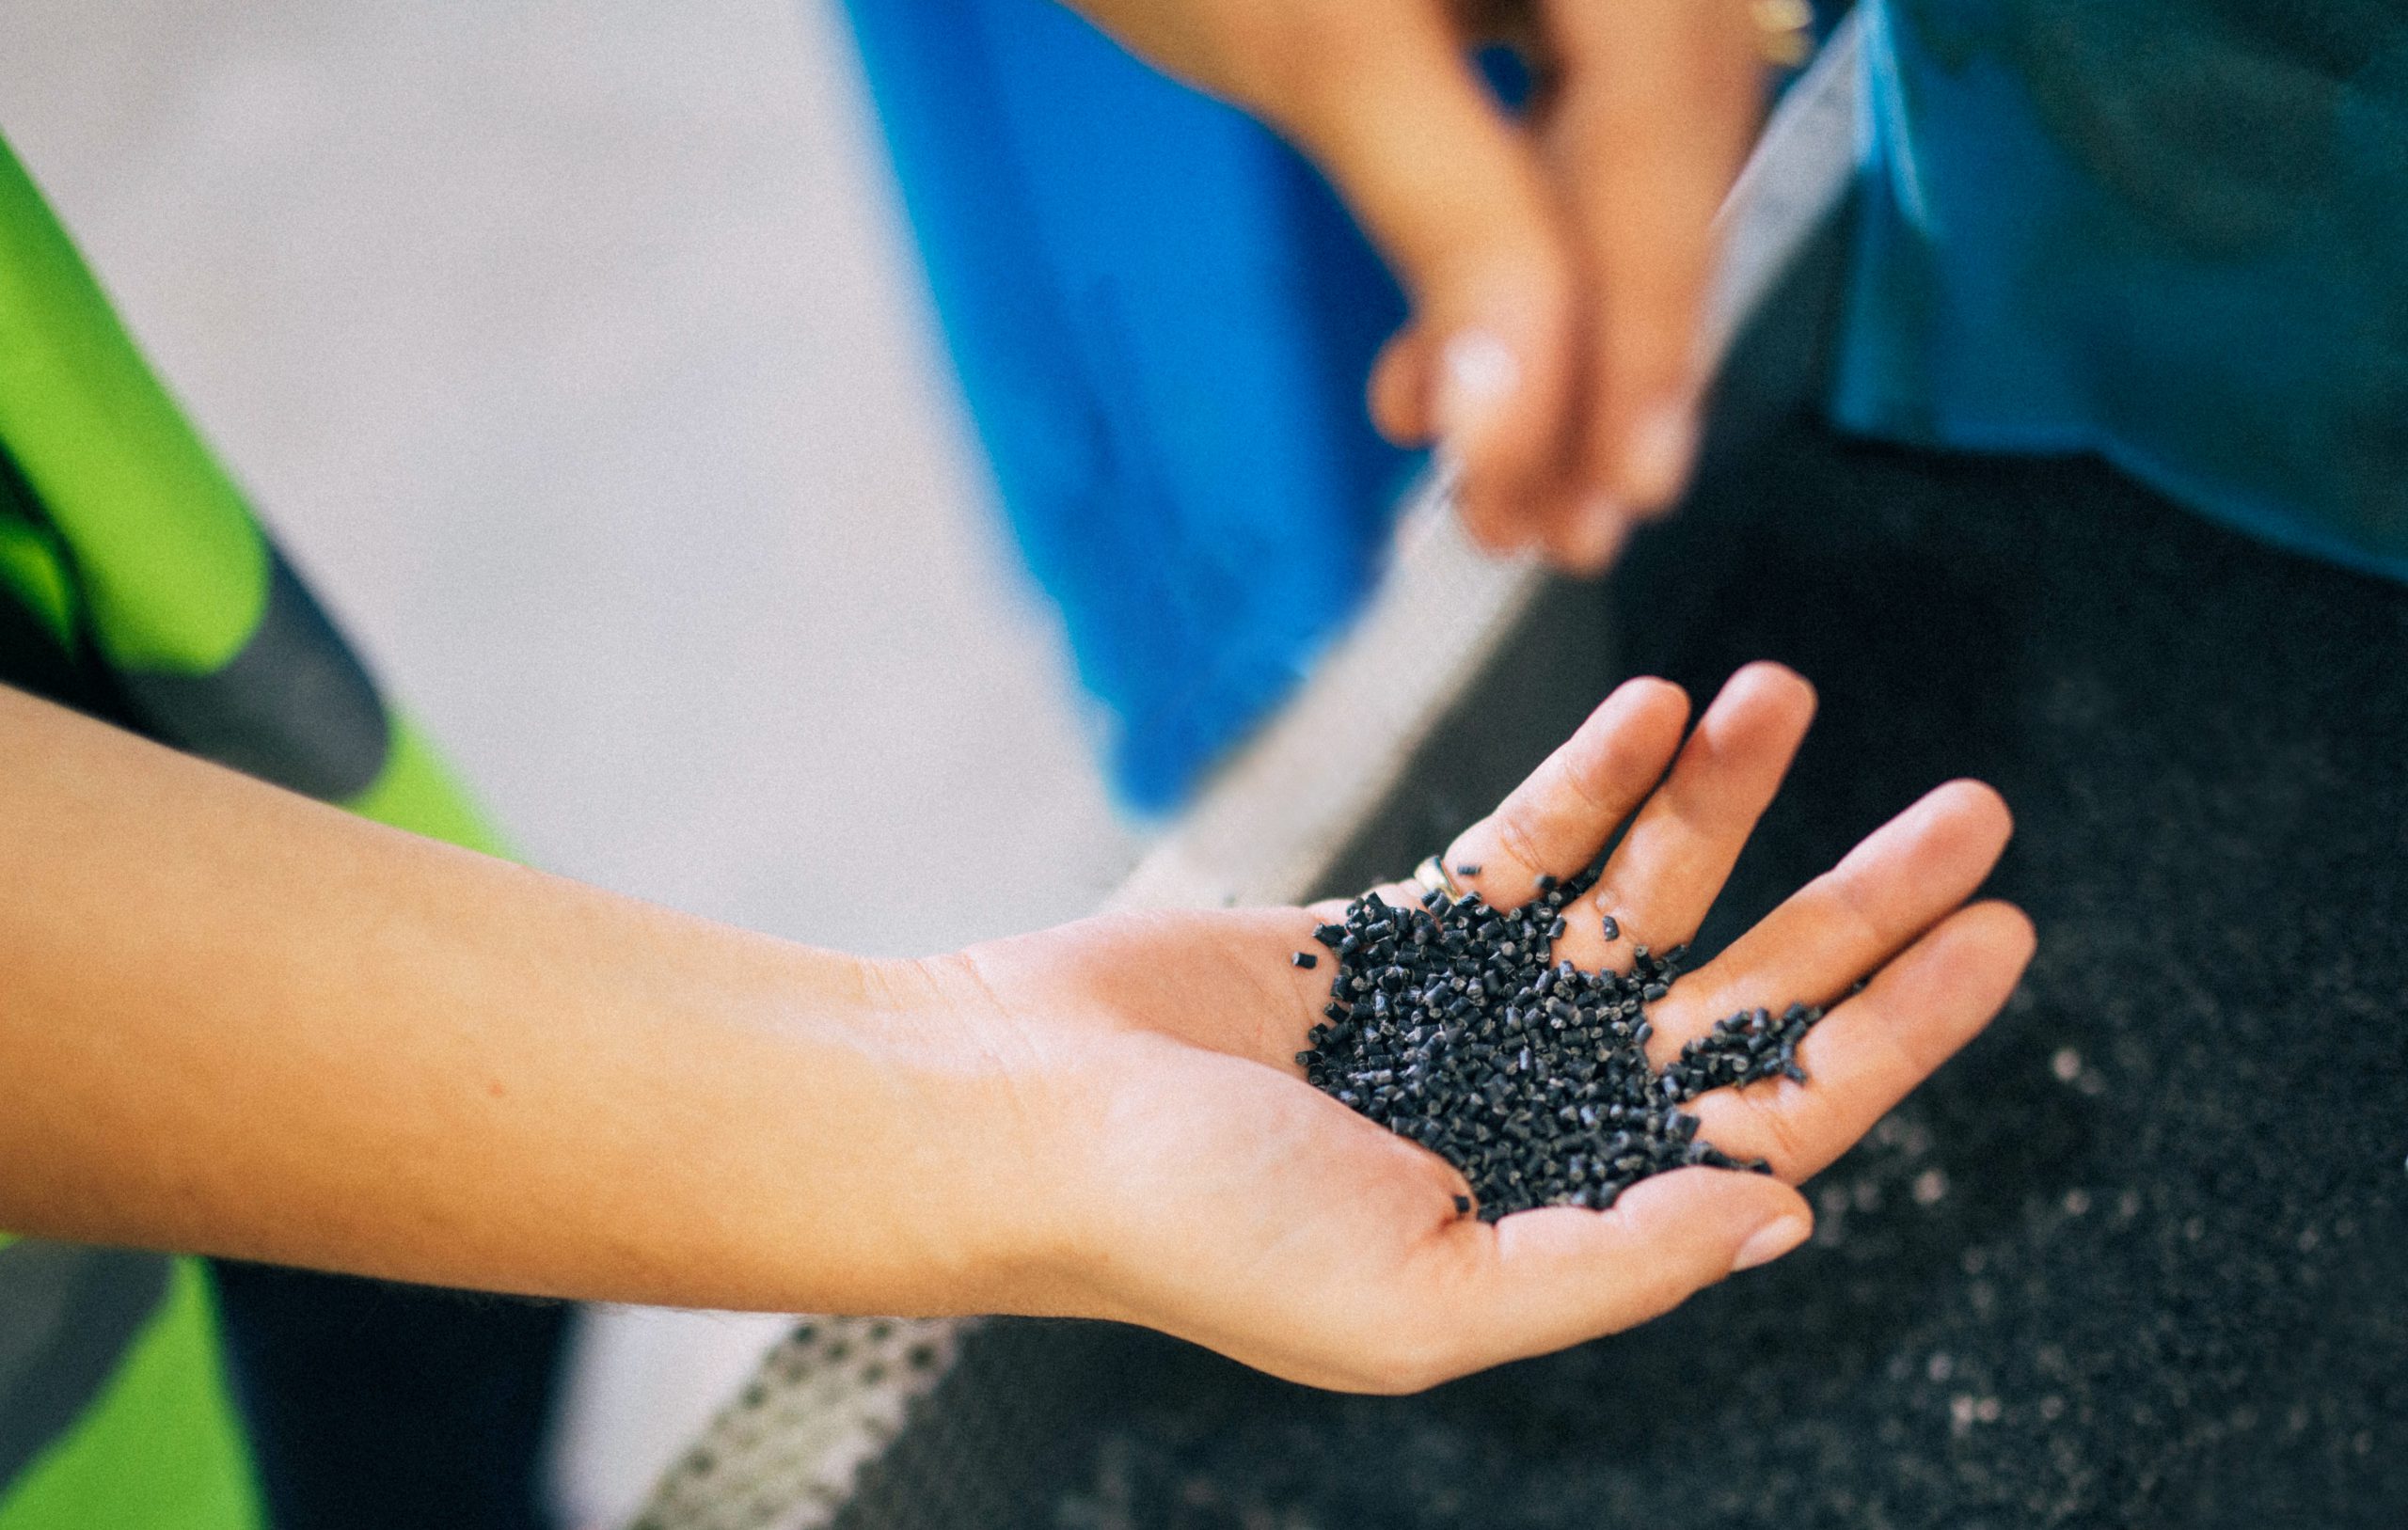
[1452,1024]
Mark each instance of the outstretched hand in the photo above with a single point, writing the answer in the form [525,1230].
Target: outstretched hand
[1200,1187]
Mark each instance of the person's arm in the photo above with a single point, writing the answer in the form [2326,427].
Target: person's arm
[235,1021]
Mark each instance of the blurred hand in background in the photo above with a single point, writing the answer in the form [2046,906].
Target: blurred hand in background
[1556,261]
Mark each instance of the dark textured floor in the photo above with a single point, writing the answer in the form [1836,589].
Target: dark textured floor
[2139,1257]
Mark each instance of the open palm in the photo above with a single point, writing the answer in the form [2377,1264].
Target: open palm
[1209,1192]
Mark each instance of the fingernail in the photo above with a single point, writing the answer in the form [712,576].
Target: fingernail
[1655,461]
[1771,1241]
[1478,372]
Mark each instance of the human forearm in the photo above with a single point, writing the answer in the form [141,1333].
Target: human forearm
[239,1022]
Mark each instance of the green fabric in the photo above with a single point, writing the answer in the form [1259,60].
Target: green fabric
[160,1450]
[169,558]
[417,792]
[31,570]
[138,536]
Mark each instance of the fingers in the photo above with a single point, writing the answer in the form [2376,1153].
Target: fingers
[1659,101]
[1562,815]
[1539,1281]
[1557,1276]
[1668,868]
[1453,193]
[1866,1055]
[1903,879]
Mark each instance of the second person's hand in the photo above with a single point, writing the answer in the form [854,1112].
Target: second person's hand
[1557,263]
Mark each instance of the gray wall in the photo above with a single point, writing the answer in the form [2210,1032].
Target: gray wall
[575,349]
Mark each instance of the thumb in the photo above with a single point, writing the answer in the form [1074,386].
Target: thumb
[1560,1275]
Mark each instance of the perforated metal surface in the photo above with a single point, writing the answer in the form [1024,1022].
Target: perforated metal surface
[784,1453]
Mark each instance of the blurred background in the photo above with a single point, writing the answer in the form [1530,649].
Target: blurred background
[576,352]
[579,355]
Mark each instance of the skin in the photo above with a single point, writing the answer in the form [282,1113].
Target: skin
[240,1023]
[1556,264]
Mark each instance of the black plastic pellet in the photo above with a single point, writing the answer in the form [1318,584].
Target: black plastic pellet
[1528,1074]
[1467,869]
[1306,959]
[1612,927]
[1463,1203]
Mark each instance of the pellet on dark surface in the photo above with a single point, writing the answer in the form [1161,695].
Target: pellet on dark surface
[1528,1074]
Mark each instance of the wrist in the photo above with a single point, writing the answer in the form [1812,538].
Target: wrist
[991,1119]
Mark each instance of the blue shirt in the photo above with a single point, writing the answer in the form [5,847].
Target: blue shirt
[2174,232]
[2171,232]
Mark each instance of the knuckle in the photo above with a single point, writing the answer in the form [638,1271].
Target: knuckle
[1847,905]
[1291,62]
[1587,783]
[1781,1132]
[1518,837]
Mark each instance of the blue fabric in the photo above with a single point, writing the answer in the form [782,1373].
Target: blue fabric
[1160,319]
[2174,232]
